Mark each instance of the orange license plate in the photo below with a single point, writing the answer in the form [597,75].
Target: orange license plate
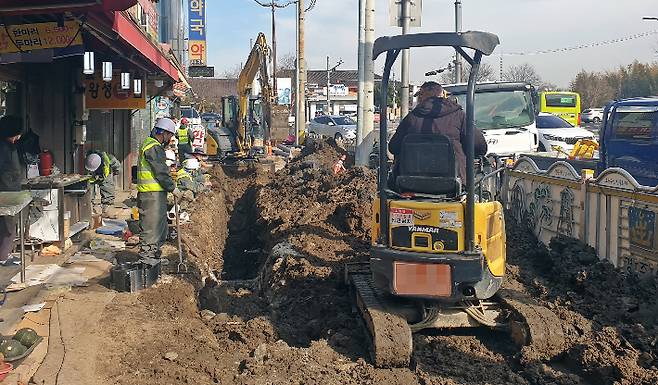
[422,279]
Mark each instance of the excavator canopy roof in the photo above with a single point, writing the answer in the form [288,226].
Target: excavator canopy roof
[480,41]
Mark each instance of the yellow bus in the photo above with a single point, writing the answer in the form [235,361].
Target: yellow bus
[563,104]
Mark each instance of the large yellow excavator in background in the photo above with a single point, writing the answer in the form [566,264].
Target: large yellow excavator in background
[251,118]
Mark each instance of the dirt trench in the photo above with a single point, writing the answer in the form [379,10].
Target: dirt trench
[284,318]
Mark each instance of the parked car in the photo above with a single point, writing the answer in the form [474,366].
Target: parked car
[210,117]
[191,114]
[555,131]
[592,115]
[337,127]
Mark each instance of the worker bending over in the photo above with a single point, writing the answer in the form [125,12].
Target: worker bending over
[103,167]
[153,183]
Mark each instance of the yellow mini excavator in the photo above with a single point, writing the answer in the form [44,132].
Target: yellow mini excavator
[438,250]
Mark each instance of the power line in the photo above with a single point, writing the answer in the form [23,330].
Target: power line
[583,46]
[312,5]
[275,4]
[289,3]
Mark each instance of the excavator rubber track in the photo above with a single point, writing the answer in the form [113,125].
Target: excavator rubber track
[533,325]
[391,343]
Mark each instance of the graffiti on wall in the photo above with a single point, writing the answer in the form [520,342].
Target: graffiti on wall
[566,220]
[540,210]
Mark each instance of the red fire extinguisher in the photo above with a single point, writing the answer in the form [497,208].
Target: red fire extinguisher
[45,163]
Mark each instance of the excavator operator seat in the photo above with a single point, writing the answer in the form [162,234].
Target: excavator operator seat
[427,165]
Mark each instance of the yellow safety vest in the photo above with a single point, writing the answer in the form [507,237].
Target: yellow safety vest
[106,169]
[146,181]
[106,165]
[183,174]
[182,135]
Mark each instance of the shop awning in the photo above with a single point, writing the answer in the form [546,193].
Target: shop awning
[130,33]
[60,6]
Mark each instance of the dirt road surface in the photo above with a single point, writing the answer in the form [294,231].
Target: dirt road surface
[265,304]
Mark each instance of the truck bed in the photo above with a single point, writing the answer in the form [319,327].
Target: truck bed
[544,160]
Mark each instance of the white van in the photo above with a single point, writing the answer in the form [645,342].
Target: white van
[505,113]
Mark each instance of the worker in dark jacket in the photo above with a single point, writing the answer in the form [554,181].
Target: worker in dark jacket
[12,174]
[103,167]
[153,182]
[447,118]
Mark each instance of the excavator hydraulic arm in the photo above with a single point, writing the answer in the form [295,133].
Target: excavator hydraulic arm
[256,64]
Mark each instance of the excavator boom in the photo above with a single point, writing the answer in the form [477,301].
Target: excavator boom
[256,64]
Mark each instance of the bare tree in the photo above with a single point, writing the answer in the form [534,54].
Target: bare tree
[287,62]
[486,73]
[523,73]
[232,73]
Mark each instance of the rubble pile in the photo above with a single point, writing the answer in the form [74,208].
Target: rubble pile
[275,310]
[610,316]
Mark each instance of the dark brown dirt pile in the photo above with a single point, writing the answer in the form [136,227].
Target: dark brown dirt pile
[317,211]
[610,317]
[289,321]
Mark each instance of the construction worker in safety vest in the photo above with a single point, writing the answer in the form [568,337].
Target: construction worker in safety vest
[185,138]
[184,179]
[153,183]
[102,167]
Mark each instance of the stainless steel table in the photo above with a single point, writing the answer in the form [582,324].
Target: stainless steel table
[11,204]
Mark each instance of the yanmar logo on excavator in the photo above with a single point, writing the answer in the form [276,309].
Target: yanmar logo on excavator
[424,229]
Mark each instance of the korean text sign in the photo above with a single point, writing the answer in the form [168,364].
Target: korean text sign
[197,32]
[109,95]
[28,37]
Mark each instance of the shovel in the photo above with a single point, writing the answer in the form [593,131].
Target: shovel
[182,266]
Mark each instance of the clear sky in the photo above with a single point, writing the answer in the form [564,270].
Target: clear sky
[522,25]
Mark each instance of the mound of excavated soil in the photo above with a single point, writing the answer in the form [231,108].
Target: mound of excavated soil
[289,321]
[324,215]
[610,318]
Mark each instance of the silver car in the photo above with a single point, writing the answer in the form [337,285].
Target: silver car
[341,128]
[590,115]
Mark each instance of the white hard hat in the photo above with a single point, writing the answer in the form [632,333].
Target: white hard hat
[191,164]
[93,162]
[171,157]
[166,124]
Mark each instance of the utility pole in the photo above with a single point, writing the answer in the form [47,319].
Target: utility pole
[296,106]
[369,82]
[404,97]
[360,157]
[274,87]
[458,28]
[328,86]
[300,118]
[329,71]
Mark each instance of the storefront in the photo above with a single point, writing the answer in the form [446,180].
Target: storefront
[78,73]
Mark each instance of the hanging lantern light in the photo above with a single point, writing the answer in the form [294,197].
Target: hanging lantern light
[125,80]
[88,67]
[107,71]
[159,83]
[137,86]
